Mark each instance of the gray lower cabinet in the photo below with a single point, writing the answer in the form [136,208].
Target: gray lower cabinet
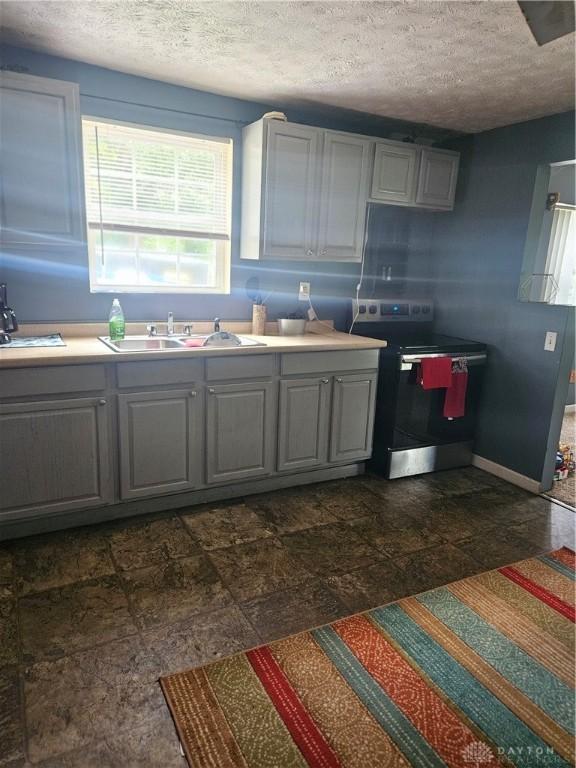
[352,416]
[54,456]
[303,423]
[160,442]
[240,431]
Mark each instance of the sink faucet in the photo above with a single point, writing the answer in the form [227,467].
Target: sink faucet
[170,324]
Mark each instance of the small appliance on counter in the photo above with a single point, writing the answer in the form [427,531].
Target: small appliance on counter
[8,322]
[426,407]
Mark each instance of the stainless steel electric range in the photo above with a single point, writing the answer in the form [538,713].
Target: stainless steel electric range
[411,433]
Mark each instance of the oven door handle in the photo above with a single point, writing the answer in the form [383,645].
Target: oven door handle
[407,361]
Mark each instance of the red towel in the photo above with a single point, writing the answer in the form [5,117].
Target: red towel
[455,400]
[436,372]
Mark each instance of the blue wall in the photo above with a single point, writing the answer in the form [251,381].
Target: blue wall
[46,287]
[477,256]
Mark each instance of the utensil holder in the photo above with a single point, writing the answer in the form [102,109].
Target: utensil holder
[259,319]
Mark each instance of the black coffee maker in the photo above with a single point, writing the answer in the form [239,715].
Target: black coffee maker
[8,322]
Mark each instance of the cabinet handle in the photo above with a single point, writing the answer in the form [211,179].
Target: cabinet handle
[192,393]
[309,252]
[323,252]
[102,402]
[339,379]
[325,381]
[212,391]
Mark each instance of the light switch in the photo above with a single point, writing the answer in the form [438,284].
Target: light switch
[550,341]
[304,292]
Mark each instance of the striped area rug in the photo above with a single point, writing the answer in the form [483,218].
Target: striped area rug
[478,673]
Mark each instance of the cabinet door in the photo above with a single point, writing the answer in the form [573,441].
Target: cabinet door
[160,450]
[291,191]
[353,416]
[240,431]
[343,197]
[42,201]
[303,427]
[54,457]
[394,178]
[437,178]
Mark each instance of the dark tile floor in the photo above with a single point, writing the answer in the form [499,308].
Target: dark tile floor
[90,618]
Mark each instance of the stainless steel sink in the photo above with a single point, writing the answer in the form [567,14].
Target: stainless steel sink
[142,343]
[159,343]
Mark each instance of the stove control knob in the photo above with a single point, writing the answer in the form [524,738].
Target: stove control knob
[372,309]
[416,309]
[362,309]
[425,309]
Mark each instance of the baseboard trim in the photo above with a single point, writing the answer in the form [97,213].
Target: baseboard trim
[504,473]
[570,408]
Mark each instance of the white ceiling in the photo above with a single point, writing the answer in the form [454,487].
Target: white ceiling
[458,64]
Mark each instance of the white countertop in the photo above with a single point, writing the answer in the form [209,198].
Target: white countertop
[84,346]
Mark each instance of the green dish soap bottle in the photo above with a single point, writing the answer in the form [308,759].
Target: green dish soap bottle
[116,324]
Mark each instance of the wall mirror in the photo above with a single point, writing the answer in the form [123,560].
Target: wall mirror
[549,266]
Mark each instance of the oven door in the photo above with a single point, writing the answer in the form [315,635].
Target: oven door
[418,414]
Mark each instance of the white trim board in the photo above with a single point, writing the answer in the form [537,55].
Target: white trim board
[506,474]
[570,408]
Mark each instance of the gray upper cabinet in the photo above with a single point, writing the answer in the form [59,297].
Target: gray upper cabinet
[343,196]
[304,192]
[41,197]
[291,184]
[394,176]
[54,456]
[160,442]
[305,189]
[353,417]
[240,431]
[437,178]
[303,423]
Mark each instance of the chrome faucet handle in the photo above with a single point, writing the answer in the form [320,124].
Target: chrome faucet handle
[216,324]
[152,330]
[187,329]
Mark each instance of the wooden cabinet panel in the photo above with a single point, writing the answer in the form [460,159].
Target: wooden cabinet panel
[291,197]
[343,197]
[42,201]
[437,178]
[394,178]
[303,423]
[353,417]
[160,448]
[54,456]
[240,430]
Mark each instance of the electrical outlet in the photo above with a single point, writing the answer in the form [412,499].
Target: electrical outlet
[550,341]
[304,292]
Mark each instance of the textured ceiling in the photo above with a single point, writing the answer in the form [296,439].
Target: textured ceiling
[461,65]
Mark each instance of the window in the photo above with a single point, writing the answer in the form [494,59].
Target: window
[158,207]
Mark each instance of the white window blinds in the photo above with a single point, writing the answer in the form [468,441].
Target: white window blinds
[561,256]
[158,208]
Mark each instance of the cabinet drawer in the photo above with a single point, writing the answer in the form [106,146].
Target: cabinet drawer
[241,367]
[327,362]
[49,380]
[144,374]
